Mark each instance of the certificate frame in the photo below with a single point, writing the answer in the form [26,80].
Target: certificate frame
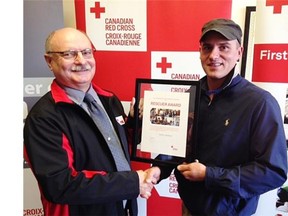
[165,131]
[248,43]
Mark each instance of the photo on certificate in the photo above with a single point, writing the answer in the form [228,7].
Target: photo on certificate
[166,128]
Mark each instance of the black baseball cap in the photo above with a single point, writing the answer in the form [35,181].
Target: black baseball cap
[226,27]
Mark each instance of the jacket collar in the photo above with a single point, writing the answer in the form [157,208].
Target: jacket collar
[59,94]
[232,79]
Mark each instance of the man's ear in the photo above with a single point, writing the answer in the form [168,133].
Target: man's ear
[48,60]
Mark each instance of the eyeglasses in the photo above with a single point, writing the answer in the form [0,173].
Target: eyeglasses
[73,54]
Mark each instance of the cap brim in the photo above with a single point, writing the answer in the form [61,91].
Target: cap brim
[221,31]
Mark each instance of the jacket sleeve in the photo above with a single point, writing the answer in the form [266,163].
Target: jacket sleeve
[267,166]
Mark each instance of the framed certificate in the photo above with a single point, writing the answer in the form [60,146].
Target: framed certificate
[165,129]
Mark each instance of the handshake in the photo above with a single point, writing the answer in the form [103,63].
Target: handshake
[147,180]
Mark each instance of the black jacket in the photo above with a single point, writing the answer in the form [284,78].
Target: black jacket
[71,161]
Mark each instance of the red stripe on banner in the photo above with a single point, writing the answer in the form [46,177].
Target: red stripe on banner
[80,15]
[176,25]
[163,206]
[117,71]
[270,63]
[277,5]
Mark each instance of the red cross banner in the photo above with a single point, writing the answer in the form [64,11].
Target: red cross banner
[176,65]
[270,67]
[271,42]
[117,25]
[147,39]
[141,35]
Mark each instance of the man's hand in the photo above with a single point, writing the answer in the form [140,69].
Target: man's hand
[144,186]
[147,180]
[193,171]
[153,175]
[140,107]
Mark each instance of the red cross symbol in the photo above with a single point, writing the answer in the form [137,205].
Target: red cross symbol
[164,65]
[97,10]
[277,4]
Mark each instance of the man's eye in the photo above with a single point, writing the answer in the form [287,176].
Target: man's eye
[67,54]
[223,48]
[86,52]
[206,48]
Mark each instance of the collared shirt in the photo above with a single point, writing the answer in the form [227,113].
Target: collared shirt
[78,96]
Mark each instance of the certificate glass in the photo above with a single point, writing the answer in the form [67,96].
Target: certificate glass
[165,131]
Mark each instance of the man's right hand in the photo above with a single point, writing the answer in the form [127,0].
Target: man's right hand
[145,187]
